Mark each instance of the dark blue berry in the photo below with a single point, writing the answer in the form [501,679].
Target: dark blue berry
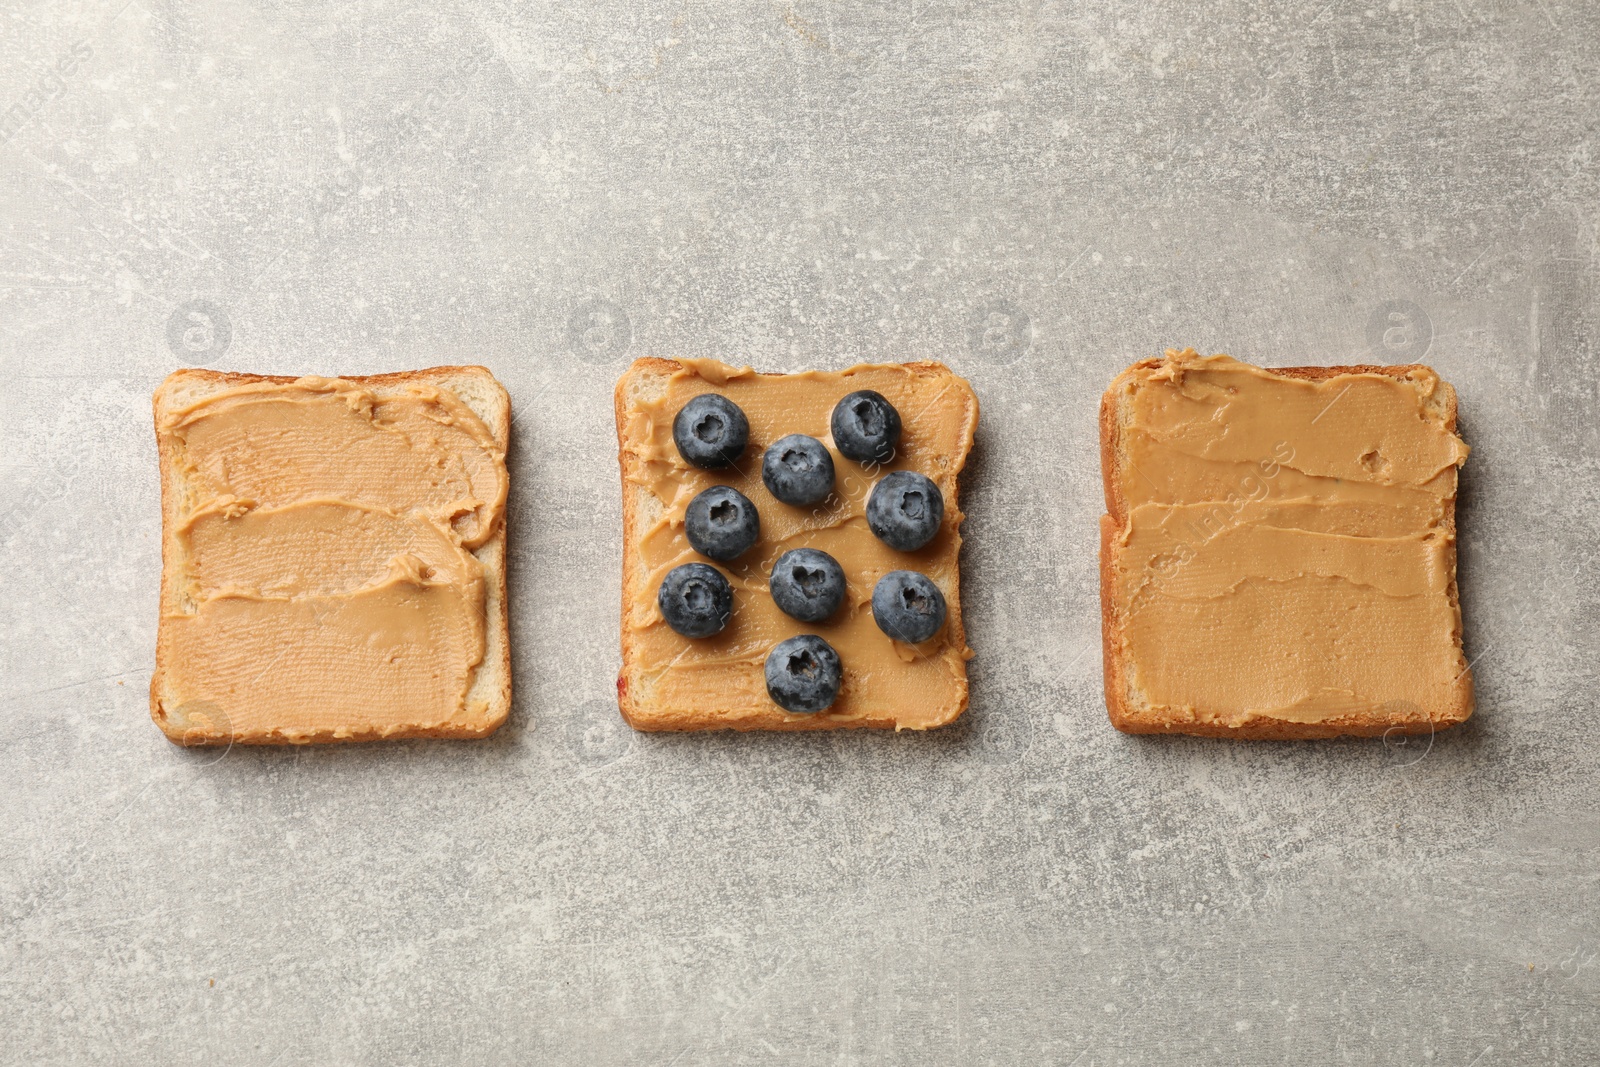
[908,606]
[797,470]
[905,510]
[803,674]
[711,431]
[696,600]
[807,584]
[722,523]
[865,427]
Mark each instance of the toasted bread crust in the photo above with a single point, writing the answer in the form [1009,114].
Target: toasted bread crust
[494,547]
[1131,720]
[633,709]
[639,712]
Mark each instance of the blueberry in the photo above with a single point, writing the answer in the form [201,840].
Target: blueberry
[797,470]
[908,606]
[808,584]
[711,431]
[696,600]
[803,674]
[905,510]
[722,523]
[865,427]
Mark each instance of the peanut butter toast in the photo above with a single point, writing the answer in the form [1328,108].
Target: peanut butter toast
[1278,555]
[723,680]
[333,557]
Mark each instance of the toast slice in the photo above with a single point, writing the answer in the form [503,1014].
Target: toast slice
[1278,556]
[669,682]
[201,703]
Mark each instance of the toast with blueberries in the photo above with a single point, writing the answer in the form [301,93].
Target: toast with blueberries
[791,546]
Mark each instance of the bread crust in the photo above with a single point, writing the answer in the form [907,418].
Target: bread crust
[499,422]
[634,710]
[1132,720]
[637,710]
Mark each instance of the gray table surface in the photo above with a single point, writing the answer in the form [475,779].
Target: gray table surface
[1036,194]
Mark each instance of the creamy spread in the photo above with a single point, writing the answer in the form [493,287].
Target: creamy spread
[325,583]
[917,686]
[1286,547]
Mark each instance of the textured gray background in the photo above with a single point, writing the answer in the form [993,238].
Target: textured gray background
[1036,194]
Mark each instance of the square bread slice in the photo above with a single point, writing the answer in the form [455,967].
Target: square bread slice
[669,682]
[1278,557]
[222,696]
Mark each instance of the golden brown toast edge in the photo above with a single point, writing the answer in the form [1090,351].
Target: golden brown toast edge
[166,455]
[1131,720]
[637,710]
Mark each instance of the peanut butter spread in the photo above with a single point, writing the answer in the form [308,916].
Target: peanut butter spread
[917,686]
[1286,546]
[326,582]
